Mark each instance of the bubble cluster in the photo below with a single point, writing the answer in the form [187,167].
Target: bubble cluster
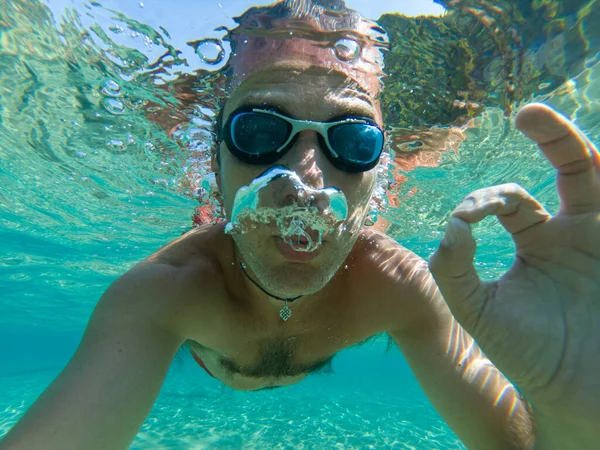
[295,222]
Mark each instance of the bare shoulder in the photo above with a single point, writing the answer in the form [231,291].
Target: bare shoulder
[397,277]
[178,284]
[199,244]
[388,261]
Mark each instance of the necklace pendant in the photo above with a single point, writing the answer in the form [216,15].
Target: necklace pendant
[285,313]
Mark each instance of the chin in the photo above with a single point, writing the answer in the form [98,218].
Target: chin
[285,277]
[289,279]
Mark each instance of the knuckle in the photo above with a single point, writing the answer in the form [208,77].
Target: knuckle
[513,189]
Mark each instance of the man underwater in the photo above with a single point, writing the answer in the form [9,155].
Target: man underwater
[262,303]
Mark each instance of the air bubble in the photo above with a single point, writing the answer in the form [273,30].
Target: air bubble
[116,146]
[114,106]
[111,89]
[347,49]
[210,51]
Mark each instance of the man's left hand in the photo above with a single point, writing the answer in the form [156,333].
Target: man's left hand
[540,322]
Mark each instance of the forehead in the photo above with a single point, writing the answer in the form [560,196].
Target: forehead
[316,94]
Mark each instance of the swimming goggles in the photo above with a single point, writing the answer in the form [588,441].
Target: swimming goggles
[261,136]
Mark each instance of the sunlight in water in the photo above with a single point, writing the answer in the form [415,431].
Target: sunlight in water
[109,116]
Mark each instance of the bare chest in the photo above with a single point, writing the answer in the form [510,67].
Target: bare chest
[267,354]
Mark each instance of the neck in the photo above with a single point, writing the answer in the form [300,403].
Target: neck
[255,283]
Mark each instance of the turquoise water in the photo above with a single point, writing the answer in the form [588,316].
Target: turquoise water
[91,184]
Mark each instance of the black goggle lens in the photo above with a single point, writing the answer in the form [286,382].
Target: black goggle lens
[357,143]
[256,134]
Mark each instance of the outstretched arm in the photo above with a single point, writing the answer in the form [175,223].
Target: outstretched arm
[482,407]
[102,397]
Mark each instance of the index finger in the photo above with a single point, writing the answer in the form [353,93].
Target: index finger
[573,156]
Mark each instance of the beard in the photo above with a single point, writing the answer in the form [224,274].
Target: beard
[257,248]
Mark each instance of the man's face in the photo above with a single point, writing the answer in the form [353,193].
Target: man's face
[309,95]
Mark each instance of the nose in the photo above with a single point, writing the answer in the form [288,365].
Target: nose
[306,158]
[292,194]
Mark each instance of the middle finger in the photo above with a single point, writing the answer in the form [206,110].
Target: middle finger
[570,152]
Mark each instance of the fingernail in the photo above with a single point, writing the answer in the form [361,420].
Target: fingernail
[450,236]
[467,204]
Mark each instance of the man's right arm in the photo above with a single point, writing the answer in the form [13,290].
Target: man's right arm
[101,399]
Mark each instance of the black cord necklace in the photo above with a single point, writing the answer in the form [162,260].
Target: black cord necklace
[285,313]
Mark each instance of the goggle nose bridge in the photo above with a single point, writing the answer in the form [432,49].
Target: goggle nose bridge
[299,125]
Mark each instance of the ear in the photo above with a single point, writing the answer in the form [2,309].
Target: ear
[215,164]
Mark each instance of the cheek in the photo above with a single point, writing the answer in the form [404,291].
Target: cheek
[234,175]
[358,190]
[359,194]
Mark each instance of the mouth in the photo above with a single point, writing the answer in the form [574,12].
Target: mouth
[300,243]
[308,235]
[294,248]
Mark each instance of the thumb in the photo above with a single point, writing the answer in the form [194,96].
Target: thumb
[453,270]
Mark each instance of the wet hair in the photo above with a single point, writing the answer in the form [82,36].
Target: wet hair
[323,21]
[325,15]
